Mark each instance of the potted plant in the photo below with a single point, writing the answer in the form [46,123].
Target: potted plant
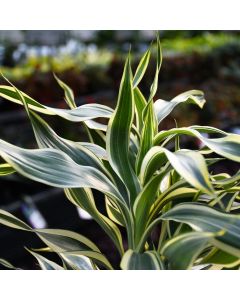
[148,180]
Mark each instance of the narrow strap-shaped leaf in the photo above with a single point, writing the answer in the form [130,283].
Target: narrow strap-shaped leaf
[73,257]
[65,240]
[7,264]
[148,133]
[206,219]
[182,251]
[56,239]
[212,161]
[227,146]
[9,220]
[121,187]
[164,108]
[76,262]
[55,168]
[44,263]
[46,137]
[171,195]
[208,129]
[159,53]
[141,69]
[219,257]
[118,134]
[184,162]
[96,125]
[69,96]
[194,131]
[154,159]
[96,136]
[140,104]
[143,203]
[141,261]
[113,212]
[226,180]
[154,85]
[95,149]
[84,199]
[6,169]
[78,114]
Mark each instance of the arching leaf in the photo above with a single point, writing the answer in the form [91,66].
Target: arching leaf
[206,219]
[181,251]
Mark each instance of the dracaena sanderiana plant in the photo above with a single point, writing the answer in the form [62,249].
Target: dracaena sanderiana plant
[146,183]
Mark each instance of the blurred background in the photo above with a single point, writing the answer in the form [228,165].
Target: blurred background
[91,63]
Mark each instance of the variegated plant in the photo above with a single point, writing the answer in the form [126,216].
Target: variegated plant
[149,182]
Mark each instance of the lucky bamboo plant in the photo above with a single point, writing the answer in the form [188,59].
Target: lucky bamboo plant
[149,181]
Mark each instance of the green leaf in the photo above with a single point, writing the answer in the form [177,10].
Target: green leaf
[192,167]
[148,133]
[55,168]
[141,69]
[212,161]
[149,260]
[95,149]
[9,220]
[154,159]
[91,124]
[154,86]
[159,53]
[174,193]
[57,240]
[77,259]
[206,219]
[52,167]
[143,204]
[60,240]
[219,257]
[140,104]
[46,137]
[208,129]
[9,93]
[84,199]
[228,146]
[164,108]
[69,96]
[6,169]
[113,212]
[118,134]
[226,180]
[7,264]
[76,262]
[96,137]
[44,263]
[182,251]
[79,114]
[183,161]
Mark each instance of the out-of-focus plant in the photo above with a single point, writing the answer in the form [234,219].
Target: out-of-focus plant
[149,181]
[102,57]
[202,43]
[58,64]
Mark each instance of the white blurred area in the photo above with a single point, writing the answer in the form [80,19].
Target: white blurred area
[83,214]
